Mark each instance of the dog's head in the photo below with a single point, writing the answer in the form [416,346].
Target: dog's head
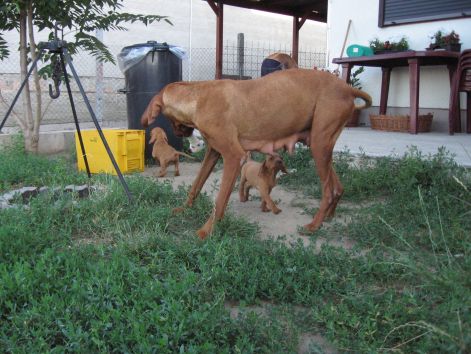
[158,135]
[181,130]
[273,164]
[197,145]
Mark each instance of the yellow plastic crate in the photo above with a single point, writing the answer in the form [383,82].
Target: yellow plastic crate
[127,147]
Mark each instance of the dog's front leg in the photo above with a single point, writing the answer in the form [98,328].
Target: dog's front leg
[210,159]
[232,167]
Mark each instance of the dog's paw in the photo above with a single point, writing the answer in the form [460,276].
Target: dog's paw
[202,234]
[309,229]
[276,211]
[177,210]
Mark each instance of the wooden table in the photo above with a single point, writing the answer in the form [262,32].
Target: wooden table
[413,59]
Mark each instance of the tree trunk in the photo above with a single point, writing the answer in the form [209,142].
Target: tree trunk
[27,108]
[36,119]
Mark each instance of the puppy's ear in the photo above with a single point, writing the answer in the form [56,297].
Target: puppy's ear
[152,137]
[263,169]
[164,136]
[152,110]
[283,167]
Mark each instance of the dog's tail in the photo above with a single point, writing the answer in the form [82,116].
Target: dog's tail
[153,110]
[186,155]
[364,96]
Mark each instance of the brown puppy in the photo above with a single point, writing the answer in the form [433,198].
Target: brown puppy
[263,177]
[265,114]
[163,153]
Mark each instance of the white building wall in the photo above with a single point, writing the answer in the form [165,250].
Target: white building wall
[434,81]
[194,23]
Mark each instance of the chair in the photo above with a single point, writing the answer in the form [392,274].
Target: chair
[461,83]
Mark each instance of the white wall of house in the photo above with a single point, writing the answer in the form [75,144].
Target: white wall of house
[194,24]
[434,81]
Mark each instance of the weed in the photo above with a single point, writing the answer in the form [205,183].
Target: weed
[100,275]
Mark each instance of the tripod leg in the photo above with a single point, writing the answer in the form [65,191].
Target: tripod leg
[100,132]
[33,65]
[74,113]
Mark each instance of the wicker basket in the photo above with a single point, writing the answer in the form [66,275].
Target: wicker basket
[400,123]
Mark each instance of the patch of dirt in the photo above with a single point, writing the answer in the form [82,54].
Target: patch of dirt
[284,224]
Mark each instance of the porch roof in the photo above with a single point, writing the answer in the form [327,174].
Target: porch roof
[315,10]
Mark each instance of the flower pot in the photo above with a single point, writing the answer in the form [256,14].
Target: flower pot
[353,121]
[453,47]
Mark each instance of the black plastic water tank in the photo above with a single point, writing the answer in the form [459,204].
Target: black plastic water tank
[150,66]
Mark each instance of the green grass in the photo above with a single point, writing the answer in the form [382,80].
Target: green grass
[100,275]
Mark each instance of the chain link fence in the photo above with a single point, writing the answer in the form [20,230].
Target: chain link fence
[102,82]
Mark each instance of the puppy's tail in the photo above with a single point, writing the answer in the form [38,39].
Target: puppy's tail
[186,155]
[364,96]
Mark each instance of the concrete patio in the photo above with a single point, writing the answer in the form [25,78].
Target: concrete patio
[379,143]
[356,140]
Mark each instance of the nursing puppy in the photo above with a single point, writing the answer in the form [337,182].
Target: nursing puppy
[262,176]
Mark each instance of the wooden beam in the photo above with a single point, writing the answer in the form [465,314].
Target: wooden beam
[218,9]
[213,6]
[295,41]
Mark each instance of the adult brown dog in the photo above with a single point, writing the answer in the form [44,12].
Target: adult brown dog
[265,115]
[163,152]
[263,177]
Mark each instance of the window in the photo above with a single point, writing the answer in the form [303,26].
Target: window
[397,12]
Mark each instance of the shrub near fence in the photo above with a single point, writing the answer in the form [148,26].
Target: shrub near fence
[102,81]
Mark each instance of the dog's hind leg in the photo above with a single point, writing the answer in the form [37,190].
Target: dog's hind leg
[337,194]
[210,159]
[163,169]
[243,189]
[177,162]
[324,133]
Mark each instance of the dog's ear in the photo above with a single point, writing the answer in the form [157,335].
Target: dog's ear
[263,169]
[152,111]
[165,137]
[282,166]
[152,137]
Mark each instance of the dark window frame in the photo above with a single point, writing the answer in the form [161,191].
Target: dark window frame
[415,18]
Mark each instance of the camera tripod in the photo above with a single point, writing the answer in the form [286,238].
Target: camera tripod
[59,47]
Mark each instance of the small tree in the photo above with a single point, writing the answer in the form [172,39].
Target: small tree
[81,17]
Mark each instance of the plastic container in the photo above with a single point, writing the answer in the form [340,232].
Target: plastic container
[356,50]
[127,147]
[148,67]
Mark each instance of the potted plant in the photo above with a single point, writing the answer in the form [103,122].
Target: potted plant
[445,41]
[380,47]
[355,82]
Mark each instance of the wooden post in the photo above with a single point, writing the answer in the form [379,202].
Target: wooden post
[240,55]
[295,42]
[414,76]
[219,11]
[298,22]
